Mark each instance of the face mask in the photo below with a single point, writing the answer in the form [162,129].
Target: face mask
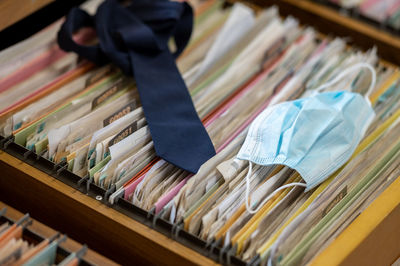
[314,136]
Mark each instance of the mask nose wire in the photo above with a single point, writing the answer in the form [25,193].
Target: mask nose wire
[348,71]
[247,199]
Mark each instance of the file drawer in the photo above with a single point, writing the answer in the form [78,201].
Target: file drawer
[126,234]
[37,231]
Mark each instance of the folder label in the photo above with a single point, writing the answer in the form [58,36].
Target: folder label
[120,113]
[123,134]
[98,75]
[119,85]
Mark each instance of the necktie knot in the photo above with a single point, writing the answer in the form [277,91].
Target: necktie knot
[143,26]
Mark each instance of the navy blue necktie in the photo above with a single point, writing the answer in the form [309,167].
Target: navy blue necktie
[135,38]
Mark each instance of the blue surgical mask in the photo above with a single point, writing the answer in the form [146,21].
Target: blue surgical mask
[314,136]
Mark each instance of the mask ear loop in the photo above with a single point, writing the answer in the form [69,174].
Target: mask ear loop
[327,84]
[349,70]
[247,200]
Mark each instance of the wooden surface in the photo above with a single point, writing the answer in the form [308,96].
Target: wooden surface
[87,220]
[12,11]
[374,236]
[47,232]
[329,21]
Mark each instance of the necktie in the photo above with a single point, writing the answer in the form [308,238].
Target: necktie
[135,38]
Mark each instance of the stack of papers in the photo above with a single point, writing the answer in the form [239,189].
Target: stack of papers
[384,12]
[238,63]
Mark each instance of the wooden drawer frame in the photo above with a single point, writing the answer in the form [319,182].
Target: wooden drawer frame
[40,231]
[12,11]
